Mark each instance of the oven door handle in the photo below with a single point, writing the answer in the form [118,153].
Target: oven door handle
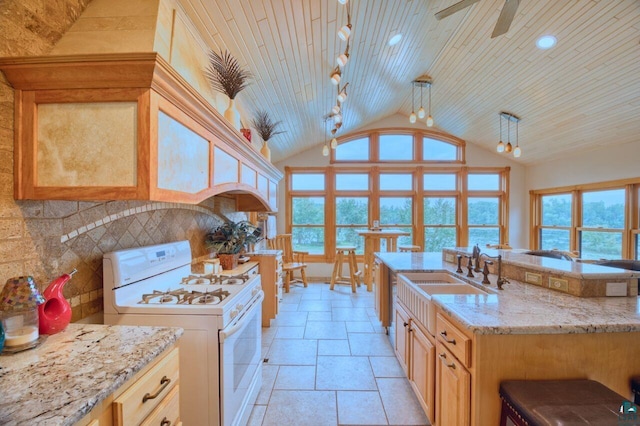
[225,334]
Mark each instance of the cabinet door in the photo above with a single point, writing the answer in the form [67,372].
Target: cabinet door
[453,390]
[401,321]
[422,358]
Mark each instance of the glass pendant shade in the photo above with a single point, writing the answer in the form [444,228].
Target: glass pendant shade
[517,152]
[337,118]
[335,78]
[412,117]
[342,59]
[335,110]
[508,147]
[342,96]
[343,1]
[429,121]
[334,143]
[325,151]
[500,147]
[421,113]
[345,32]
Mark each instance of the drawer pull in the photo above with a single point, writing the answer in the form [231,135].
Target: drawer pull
[444,336]
[165,422]
[406,324]
[164,383]
[443,358]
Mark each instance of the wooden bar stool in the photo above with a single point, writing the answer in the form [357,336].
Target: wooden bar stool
[348,252]
[555,402]
[409,248]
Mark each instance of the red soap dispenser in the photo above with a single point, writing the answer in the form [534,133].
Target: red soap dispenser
[55,313]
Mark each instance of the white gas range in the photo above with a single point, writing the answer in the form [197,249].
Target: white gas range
[221,316]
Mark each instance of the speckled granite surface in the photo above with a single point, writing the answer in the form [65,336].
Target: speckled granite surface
[523,308]
[60,381]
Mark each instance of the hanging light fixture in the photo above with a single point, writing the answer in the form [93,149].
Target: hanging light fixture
[325,147]
[412,116]
[337,118]
[517,152]
[342,59]
[336,75]
[429,117]
[343,1]
[500,146]
[508,148]
[336,109]
[342,93]
[421,110]
[334,141]
[345,31]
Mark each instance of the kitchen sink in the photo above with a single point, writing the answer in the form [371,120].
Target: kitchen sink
[415,290]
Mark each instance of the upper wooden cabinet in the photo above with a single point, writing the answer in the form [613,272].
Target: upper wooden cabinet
[126,126]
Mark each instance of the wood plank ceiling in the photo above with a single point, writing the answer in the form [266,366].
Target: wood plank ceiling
[580,95]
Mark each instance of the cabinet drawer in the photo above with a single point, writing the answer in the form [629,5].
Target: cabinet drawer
[134,404]
[454,340]
[253,271]
[167,413]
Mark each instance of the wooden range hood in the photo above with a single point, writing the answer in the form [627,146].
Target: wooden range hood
[127,126]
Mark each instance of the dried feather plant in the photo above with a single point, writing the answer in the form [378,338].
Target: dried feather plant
[225,74]
[265,126]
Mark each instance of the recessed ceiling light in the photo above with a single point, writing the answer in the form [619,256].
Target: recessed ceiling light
[395,39]
[546,42]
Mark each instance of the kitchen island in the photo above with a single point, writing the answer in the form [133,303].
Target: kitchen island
[75,371]
[522,332]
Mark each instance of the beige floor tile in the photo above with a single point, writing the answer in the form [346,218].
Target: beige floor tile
[319,316]
[269,373]
[293,352]
[290,333]
[325,330]
[359,327]
[308,408]
[293,377]
[344,373]
[257,414]
[288,307]
[268,334]
[360,408]
[341,303]
[370,344]
[291,298]
[333,347]
[315,306]
[386,366]
[400,402]
[290,319]
[349,314]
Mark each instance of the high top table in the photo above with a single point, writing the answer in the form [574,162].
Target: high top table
[372,244]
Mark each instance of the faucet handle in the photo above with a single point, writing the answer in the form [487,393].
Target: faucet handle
[502,281]
[485,272]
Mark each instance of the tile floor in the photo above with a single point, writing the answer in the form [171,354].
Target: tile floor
[330,363]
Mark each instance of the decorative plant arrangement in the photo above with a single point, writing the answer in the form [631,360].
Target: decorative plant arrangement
[226,76]
[231,238]
[266,128]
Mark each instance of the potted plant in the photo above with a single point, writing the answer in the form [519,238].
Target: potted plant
[230,239]
[266,128]
[226,76]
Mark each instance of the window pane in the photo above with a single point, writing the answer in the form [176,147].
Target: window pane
[436,150]
[307,181]
[603,209]
[483,211]
[350,237]
[395,182]
[600,245]
[352,211]
[308,210]
[435,239]
[554,239]
[556,210]
[395,210]
[355,150]
[439,182]
[483,182]
[352,182]
[484,236]
[308,239]
[402,240]
[440,211]
[396,147]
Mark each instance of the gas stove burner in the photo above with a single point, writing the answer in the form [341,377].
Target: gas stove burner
[215,279]
[162,297]
[234,280]
[198,280]
[206,298]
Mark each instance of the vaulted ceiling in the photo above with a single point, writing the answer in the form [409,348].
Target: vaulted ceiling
[580,95]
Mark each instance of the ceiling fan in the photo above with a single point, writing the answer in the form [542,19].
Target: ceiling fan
[504,20]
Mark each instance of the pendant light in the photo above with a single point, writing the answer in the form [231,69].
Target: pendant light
[500,146]
[508,148]
[343,1]
[412,116]
[430,117]
[336,75]
[344,58]
[517,152]
[334,141]
[345,31]
[336,109]
[342,93]
[421,110]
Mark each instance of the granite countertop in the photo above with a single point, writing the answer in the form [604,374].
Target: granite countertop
[61,380]
[522,308]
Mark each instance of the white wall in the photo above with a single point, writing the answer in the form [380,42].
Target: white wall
[475,156]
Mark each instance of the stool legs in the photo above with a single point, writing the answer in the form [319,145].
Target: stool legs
[354,278]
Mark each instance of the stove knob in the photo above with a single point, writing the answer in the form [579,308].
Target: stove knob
[234,314]
[255,291]
[239,306]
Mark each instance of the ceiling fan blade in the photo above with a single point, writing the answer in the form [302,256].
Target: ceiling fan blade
[454,8]
[506,16]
